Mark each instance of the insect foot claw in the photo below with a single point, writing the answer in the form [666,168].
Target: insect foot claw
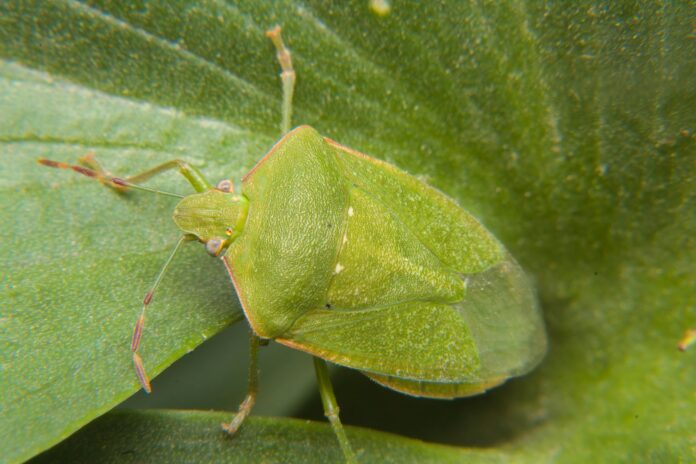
[230,428]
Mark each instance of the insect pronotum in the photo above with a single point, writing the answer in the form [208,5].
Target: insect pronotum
[369,268]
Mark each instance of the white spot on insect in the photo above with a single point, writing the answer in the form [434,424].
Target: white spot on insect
[380,7]
[350,211]
[339,268]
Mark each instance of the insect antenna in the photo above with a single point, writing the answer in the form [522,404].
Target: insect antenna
[138,330]
[102,176]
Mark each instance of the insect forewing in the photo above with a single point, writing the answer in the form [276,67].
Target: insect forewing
[497,310]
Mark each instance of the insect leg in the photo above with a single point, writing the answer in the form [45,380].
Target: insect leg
[250,399]
[138,330]
[331,409]
[287,75]
[191,173]
[96,171]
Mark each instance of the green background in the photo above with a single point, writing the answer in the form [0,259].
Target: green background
[566,127]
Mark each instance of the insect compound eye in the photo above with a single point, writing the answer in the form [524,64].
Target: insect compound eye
[225,185]
[214,246]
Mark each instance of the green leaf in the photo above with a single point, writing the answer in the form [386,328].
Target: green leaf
[567,128]
[191,436]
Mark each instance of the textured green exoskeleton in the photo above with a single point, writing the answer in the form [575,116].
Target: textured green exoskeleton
[374,270]
[356,262]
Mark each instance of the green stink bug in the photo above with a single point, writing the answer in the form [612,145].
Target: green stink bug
[356,262]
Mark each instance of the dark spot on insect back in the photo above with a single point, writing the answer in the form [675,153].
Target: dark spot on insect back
[328,306]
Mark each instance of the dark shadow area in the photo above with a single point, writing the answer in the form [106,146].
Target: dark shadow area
[214,377]
[481,421]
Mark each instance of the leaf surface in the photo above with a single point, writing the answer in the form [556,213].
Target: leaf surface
[568,129]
